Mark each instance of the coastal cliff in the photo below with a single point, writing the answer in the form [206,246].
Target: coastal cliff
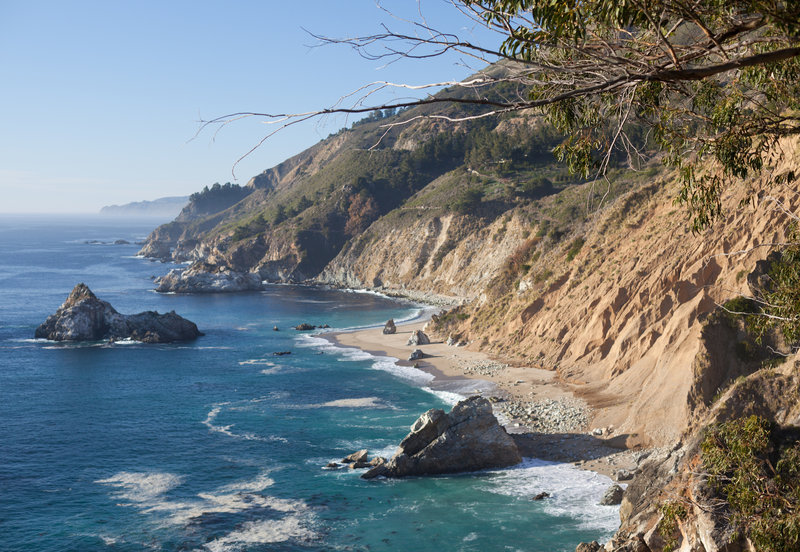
[605,286]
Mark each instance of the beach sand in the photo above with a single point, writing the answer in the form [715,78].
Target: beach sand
[468,372]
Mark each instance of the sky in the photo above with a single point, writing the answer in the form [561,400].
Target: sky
[100,101]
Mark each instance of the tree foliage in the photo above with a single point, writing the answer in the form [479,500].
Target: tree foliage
[776,304]
[756,465]
[712,80]
[713,84]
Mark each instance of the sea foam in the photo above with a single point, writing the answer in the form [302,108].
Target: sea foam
[226,429]
[574,493]
[147,491]
[262,532]
[385,363]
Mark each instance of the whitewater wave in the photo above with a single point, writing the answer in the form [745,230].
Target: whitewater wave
[227,429]
[263,532]
[256,362]
[574,493]
[142,488]
[389,364]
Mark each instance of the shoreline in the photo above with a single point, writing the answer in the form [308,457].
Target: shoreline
[558,430]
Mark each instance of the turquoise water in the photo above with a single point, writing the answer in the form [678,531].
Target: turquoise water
[217,444]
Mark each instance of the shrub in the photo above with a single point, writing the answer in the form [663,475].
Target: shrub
[574,248]
[756,466]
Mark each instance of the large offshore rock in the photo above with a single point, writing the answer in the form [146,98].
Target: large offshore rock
[205,278]
[469,438]
[84,317]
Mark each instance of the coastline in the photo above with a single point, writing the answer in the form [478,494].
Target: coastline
[512,389]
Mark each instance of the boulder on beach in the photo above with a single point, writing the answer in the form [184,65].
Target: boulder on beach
[84,317]
[418,337]
[416,354]
[469,438]
[390,328]
[207,278]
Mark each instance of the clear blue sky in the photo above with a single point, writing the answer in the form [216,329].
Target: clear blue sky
[99,100]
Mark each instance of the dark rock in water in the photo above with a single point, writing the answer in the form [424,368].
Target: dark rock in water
[332,466]
[418,337]
[612,496]
[122,242]
[281,353]
[324,326]
[275,328]
[416,354]
[304,327]
[358,456]
[390,328]
[359,465]
[469,438]
[593,546]
[84,317]
[541,496]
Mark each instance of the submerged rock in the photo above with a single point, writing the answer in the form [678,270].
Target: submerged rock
[206,278]
[418,337]
[469,438]
[84,317]
[390,328]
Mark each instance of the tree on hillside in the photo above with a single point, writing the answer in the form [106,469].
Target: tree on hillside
[702,80]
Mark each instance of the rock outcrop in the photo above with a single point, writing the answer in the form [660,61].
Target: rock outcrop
[390,328]
[612,496]
[418,337]
[84,317]
[469,438]
[205,278]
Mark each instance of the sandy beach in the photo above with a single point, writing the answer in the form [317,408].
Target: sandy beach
[546,419]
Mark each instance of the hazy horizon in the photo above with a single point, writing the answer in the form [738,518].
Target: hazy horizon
[104,99]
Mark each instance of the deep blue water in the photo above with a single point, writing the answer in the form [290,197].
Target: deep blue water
[217,444]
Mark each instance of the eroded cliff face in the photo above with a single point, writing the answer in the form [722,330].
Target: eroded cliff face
[451,256]
[623,319]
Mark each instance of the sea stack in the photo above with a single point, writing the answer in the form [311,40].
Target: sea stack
[84,317]
[469,438]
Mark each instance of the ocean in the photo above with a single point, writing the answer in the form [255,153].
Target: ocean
[217,444]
